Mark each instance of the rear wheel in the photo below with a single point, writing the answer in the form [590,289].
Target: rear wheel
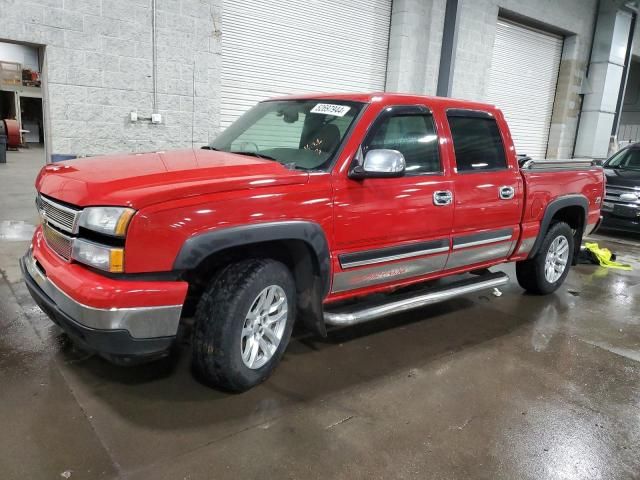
[545,272]
[243,324]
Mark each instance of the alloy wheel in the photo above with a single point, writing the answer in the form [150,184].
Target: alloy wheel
[264,326]
[556,259]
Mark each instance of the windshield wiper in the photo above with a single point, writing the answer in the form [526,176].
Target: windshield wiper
[256,154]
[295,166]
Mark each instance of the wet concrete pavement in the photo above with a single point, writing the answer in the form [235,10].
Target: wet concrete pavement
[514,386]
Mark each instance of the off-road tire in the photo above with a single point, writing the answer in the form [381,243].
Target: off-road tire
[531,272]
[219,319]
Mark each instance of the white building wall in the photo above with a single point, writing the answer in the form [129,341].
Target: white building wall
[630,119]
[98,63]
[477,27]
[416,39]
[98,67]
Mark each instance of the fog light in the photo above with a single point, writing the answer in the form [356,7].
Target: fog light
[105,258]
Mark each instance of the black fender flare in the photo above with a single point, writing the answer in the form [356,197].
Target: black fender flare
[195,249]
[574,200]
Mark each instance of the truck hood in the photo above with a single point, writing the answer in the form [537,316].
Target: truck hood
[622,177]
[139,180]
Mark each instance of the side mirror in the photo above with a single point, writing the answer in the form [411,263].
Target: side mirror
[380,163]
[523,159]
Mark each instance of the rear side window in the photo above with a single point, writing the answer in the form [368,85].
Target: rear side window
[414,136]
[477,142]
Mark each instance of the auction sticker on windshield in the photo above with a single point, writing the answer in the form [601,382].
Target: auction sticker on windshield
[330,109]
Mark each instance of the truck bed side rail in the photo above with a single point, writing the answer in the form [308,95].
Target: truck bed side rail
[568,164]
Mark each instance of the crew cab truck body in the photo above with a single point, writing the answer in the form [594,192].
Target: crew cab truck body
[301,209]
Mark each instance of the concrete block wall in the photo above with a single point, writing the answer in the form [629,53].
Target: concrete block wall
[438,8]
[415,41]
[630,118]
[98,68]
[476,34]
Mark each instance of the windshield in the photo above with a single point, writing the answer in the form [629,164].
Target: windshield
[302,134]
[628,159]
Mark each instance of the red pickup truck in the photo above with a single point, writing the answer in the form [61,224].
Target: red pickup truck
[301,209]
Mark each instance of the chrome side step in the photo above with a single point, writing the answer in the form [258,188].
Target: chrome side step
[409,301]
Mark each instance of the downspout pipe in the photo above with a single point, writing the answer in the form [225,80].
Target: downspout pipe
[448,48]
[154,60]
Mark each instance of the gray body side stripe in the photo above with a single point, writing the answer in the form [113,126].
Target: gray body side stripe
[482,238]
[389,254]
[461,258]
[365,277]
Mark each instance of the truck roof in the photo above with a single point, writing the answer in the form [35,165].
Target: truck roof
[389,98]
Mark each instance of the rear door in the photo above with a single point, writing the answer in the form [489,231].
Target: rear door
[488,190]
[389,229]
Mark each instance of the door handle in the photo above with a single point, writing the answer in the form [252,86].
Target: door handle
[442,197]
[507,192]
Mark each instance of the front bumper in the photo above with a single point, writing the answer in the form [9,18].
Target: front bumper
[593,227]
[119,319]
[117,345]
[614,222]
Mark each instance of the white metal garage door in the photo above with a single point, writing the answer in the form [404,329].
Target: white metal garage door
[299,46]
[523,79]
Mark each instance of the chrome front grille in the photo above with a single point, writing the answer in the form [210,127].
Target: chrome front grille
[57,221]
[58,215]
[629,196]
[57,241]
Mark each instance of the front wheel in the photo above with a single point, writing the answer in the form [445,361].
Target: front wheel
[243,324]
[545,272]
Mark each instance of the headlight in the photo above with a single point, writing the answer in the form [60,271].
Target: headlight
[110,259]
[108,220]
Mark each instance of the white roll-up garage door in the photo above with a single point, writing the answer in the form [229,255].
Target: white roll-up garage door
[300,46]
[522,83]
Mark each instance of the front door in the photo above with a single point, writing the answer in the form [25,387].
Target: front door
[390,229]
[488,191]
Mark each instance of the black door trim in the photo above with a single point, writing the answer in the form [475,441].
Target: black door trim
[388,254]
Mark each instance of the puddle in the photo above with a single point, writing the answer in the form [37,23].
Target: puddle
[16,231]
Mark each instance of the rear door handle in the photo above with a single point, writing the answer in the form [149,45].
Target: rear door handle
[442,197]
[507,192]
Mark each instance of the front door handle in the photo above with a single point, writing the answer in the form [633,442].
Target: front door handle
[442,197]
[507,192]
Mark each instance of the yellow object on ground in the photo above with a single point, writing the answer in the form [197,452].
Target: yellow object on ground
[604,256]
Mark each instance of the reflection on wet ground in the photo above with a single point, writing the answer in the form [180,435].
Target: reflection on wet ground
[16,231]
[515,386]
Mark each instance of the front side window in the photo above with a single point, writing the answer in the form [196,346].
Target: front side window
[477,142]
[303,134]
[413,135]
